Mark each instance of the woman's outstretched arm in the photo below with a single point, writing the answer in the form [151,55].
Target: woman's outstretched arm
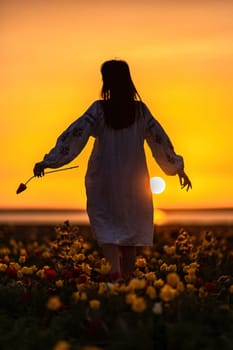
[70,143]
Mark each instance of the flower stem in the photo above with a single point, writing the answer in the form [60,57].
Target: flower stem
[52,171]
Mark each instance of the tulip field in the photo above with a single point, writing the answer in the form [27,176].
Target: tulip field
[57,292]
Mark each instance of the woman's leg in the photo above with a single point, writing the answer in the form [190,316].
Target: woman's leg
[111,253]
[128,257]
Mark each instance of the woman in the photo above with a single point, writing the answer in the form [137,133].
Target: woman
[119,201]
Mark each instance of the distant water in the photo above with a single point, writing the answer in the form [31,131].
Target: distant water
[195,216]
[42,216]
[162,216]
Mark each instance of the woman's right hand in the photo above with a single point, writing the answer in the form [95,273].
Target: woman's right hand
[39,169]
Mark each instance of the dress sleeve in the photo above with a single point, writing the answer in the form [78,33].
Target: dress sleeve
[71,142]
[161,146]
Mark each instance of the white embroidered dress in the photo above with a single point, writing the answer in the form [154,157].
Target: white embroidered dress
[119,200]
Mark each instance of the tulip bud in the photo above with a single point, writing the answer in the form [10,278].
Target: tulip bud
[22,187]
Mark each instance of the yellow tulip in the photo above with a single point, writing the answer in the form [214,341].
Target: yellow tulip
[151,292]
[54,303]
[138,304]
[94,304]
[167,293]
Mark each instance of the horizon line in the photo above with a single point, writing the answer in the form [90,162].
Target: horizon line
[71,209]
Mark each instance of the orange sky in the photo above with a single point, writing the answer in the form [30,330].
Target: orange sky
[180,54]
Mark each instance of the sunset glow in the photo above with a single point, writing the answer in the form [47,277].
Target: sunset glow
[180,54]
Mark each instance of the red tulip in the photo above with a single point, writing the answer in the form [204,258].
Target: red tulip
[22,187]
[50,274]
[11,272]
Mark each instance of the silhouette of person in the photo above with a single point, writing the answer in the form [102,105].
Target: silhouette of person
[119,200]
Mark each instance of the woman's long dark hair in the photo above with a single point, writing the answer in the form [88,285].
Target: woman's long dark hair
[119,94]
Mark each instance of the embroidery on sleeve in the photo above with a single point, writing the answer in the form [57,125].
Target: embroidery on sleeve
[77,132]
[170,144]
[90,118]
[65,136]
[64,150]
[158,139]
[170,158]
[151,124]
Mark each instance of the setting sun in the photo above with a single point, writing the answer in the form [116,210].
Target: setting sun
[157,185]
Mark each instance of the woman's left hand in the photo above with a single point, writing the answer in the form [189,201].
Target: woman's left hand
[184,180]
